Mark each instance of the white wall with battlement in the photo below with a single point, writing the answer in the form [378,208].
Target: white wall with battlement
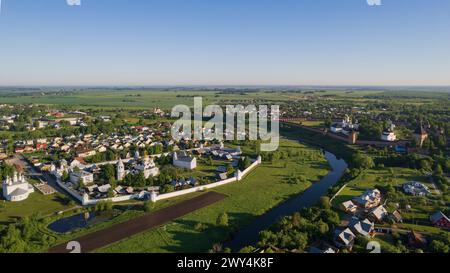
[85,201]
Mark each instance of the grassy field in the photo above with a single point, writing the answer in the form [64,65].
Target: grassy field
[36,203]
[313,123]
[258,192]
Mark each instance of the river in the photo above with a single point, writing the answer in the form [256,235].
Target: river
[250,234]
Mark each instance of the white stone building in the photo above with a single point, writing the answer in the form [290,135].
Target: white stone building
[17,188]
[120,170]
[82,177]
[389,134]
[148,167]
[345,126]
[182,160]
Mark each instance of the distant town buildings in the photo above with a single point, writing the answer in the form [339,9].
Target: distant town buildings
[346,126]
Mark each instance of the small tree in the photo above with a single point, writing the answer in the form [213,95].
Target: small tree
[247,249]
[110,193]
[222,219]
[200,227]
[438,170]
[325,202]
[439,247]
[230,168]
[148,206]
[65,176]
[363,162]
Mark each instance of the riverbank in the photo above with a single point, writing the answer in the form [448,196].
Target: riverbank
[297,133]
[250,234]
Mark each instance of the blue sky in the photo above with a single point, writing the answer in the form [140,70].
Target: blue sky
[225,42]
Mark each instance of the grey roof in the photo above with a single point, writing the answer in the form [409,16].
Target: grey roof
[184,158]
[18,192]
[346,236]
[363,227]
[379,212]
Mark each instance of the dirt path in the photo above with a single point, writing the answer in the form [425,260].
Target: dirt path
[124,230]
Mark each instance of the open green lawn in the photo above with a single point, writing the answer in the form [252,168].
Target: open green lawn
[374,178]
[313,123]
[261,190]
[346,194]
[36,203]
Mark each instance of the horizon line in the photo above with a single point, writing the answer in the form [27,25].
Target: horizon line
[221,85]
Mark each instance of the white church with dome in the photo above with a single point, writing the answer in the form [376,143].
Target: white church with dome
[16,189]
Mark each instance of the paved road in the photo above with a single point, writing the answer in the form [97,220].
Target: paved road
[124,230]
[37,174]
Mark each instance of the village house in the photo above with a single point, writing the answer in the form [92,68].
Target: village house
[349,207]
[86,153]
[439,219]
[365,227]
[41,146]
[396,217]
[368,200]
[416,189]
[344,238]
[322,248]
[378,214]
[416,240]
[77,162]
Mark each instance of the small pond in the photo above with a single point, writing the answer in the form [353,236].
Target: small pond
[71,223]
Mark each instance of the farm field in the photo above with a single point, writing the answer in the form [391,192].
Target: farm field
[131,99]
[166,99]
